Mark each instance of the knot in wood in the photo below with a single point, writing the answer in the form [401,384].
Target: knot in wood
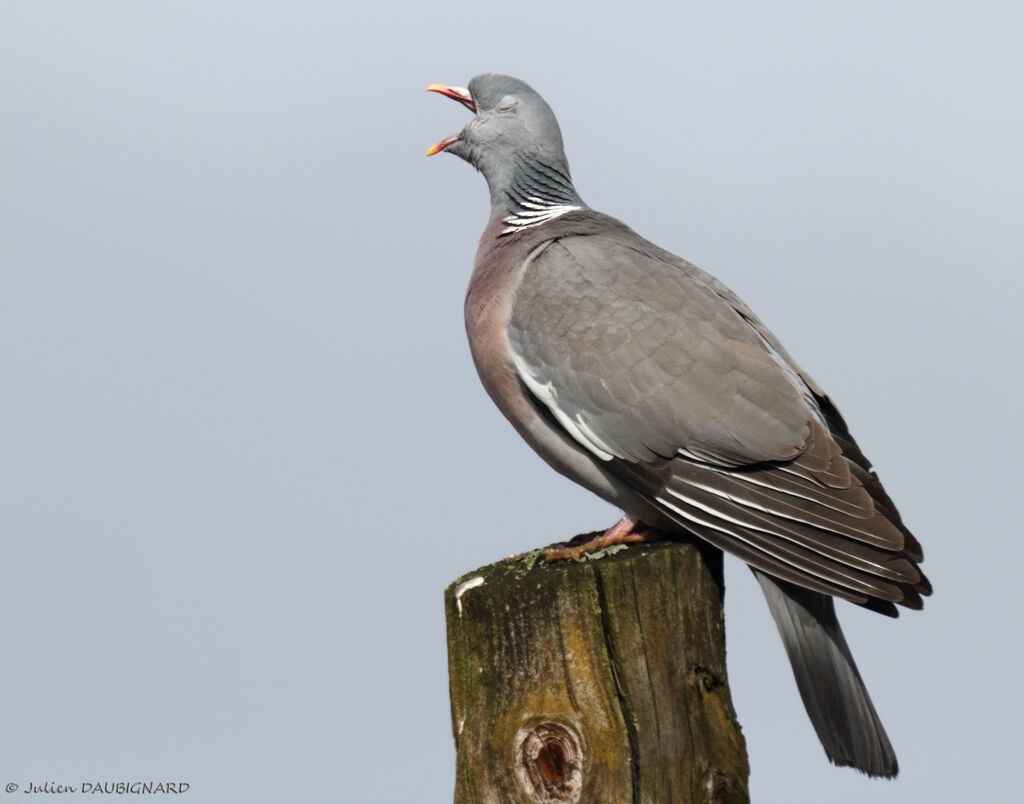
[549,763]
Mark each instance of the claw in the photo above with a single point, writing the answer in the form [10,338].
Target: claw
[626,531]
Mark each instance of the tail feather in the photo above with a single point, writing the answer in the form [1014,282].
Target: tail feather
[826,675]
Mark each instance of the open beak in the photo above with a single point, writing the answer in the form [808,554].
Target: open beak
[455,93]
[463,97]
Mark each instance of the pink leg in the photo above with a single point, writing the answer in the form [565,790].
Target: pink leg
[626,531]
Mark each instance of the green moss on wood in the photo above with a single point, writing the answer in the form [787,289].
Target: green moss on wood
[628,650]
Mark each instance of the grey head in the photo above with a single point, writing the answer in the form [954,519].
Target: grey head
[515,141]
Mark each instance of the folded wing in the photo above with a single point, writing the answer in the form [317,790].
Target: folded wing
[667,378]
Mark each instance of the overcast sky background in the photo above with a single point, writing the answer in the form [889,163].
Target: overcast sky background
[245,448]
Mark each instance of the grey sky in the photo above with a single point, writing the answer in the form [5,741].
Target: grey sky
[245,448]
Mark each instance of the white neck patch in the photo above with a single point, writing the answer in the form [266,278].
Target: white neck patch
[535,211]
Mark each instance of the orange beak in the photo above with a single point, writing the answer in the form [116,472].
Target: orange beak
[437,147]
[455,93]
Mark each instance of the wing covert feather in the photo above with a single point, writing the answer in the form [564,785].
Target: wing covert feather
[649,361]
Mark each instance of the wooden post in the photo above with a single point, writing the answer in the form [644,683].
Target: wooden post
[593,682]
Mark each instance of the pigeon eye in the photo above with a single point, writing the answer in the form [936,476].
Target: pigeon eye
[508,104]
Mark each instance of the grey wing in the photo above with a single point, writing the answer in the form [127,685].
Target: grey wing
[645,362]
[670,382]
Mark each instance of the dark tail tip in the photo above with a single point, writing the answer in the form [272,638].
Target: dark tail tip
[830,685]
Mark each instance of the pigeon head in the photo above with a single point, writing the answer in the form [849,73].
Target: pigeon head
[513,139]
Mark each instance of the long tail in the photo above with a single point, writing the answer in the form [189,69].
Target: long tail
[832,690]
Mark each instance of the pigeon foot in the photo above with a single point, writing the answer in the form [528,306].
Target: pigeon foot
[626,531]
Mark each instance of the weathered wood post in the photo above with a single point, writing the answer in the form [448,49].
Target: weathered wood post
[593,682]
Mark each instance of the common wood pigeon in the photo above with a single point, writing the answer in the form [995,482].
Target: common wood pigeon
[646,380]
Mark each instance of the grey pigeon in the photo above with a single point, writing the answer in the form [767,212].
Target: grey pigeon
[646,380]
